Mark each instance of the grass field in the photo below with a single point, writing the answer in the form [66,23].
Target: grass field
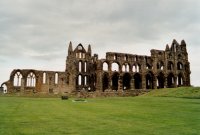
[156,113]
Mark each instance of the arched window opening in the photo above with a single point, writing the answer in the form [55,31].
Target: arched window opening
[17,79]
[85,66]
[31,80]
[179,66]
[149,81]
[161,81]
[160,65]
[170,65]
[126,81]
[138,81]
[105,66]
[138,68]
[115,67]
[180,80]
[44,78]
[170,80]
[5,89]
[123,68]
[80,66]
[56,78]
[127,68]
[79,80]
[134,68]
[115,82]
[105,82]
[85,79]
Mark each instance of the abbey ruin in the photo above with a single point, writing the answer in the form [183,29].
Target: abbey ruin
[117,73]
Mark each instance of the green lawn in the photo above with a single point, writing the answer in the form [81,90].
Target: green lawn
[143,115]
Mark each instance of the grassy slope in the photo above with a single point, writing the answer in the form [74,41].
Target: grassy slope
[145,115]
[183,92]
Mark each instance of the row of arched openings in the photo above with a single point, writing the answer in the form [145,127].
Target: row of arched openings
[150,78]
[125,67]
[30,79]
[170,65]
[136,68]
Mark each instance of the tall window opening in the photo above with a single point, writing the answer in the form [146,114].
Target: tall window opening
[85,66]
[80,66]
[115,67]
[105,66]
[56,78]
[44,78]
[79,80]
[17,79]
[31,80]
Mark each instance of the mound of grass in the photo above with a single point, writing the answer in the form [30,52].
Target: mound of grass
[182,92]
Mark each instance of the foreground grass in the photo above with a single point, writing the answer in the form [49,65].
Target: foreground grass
[145,115]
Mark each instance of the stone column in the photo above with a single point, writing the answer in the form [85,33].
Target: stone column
[175,81]
[120,89]
[143,81]
[23,84]
[165,83]
[154,83]
[132,84]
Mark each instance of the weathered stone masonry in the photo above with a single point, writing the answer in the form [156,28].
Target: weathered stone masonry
[118,72]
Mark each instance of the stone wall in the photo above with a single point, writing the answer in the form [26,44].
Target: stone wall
[117,73]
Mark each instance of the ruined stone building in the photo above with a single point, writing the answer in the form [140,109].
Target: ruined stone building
[117,72]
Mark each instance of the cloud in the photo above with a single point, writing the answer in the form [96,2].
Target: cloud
[36,29]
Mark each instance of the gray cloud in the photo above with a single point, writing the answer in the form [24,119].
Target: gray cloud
[36,29]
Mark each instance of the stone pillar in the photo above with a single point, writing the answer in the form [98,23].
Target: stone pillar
[175,81]
[165,83]
[132,84]
[143,81]
[23,84]
[154,83]
[120,85]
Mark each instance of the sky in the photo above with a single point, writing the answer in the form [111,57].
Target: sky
[34,34]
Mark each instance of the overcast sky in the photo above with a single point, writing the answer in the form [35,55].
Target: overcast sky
[35,34]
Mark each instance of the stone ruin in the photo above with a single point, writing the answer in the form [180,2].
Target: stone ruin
[117,74]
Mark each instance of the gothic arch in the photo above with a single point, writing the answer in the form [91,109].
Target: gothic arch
[5,88]
[180,79]
[179,66]
[170,65]
[115,67]
[125,67]
[17,79]
[149,80]
[115,78]
[126,81]
[170,80]
[105,66]
[105,81]
[160,65]
[138,81]
[160,80]
[31,79]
